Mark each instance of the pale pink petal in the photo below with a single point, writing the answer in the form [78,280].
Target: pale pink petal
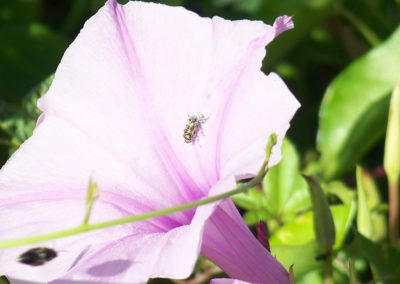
[31,218]
[43,188]
[146,83]
[138,257]
[229,243]
[260,105]
[97,90]
[59,160]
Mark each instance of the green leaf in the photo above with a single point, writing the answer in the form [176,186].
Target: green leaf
[28,54]
[285,189]
[343,216]
[252,200]
[384,260]
[301,229]
[19,126]
[354,109]
[371,223]
[289,255]
[284,192]
[342,191]
[4,280]
[324,226]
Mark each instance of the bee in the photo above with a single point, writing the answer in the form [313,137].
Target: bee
[37,256]
[193,127]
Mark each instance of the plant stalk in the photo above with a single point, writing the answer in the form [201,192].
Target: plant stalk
[394,211]
[362,27]
[328,277]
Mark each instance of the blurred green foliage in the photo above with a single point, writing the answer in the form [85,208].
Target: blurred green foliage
[341,61]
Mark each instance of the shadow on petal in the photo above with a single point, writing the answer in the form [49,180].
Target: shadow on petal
[110,268]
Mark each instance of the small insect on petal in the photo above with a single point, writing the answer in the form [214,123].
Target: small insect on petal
[193,127]
[37,256]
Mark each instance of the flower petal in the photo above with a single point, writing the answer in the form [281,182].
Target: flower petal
[229,243]
[45,216]
[227,281]
[43,188]
[138,257]
[245,137]
[107,117]
[283,23]
[59,160]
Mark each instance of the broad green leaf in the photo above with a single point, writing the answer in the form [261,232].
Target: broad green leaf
[284,192]
[384,259]
[253,199]
[301,229]
[312,276]
[302,257]
[316,276]
[353,112]
[296,232]
[285,189]
[28,54]
[371,223]
[254,216]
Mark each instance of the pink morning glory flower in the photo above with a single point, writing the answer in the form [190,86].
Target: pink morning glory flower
[116,114]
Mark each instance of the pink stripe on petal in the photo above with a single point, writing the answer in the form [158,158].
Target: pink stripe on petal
[229,243]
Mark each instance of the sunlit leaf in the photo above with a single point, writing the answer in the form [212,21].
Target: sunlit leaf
[301,229]
[284,191]
[289,255]
[371,223]
[354,109]
[285,188]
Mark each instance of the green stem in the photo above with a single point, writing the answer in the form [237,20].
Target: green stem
[394,211]
[368,34]
[145,216]
[328,270]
